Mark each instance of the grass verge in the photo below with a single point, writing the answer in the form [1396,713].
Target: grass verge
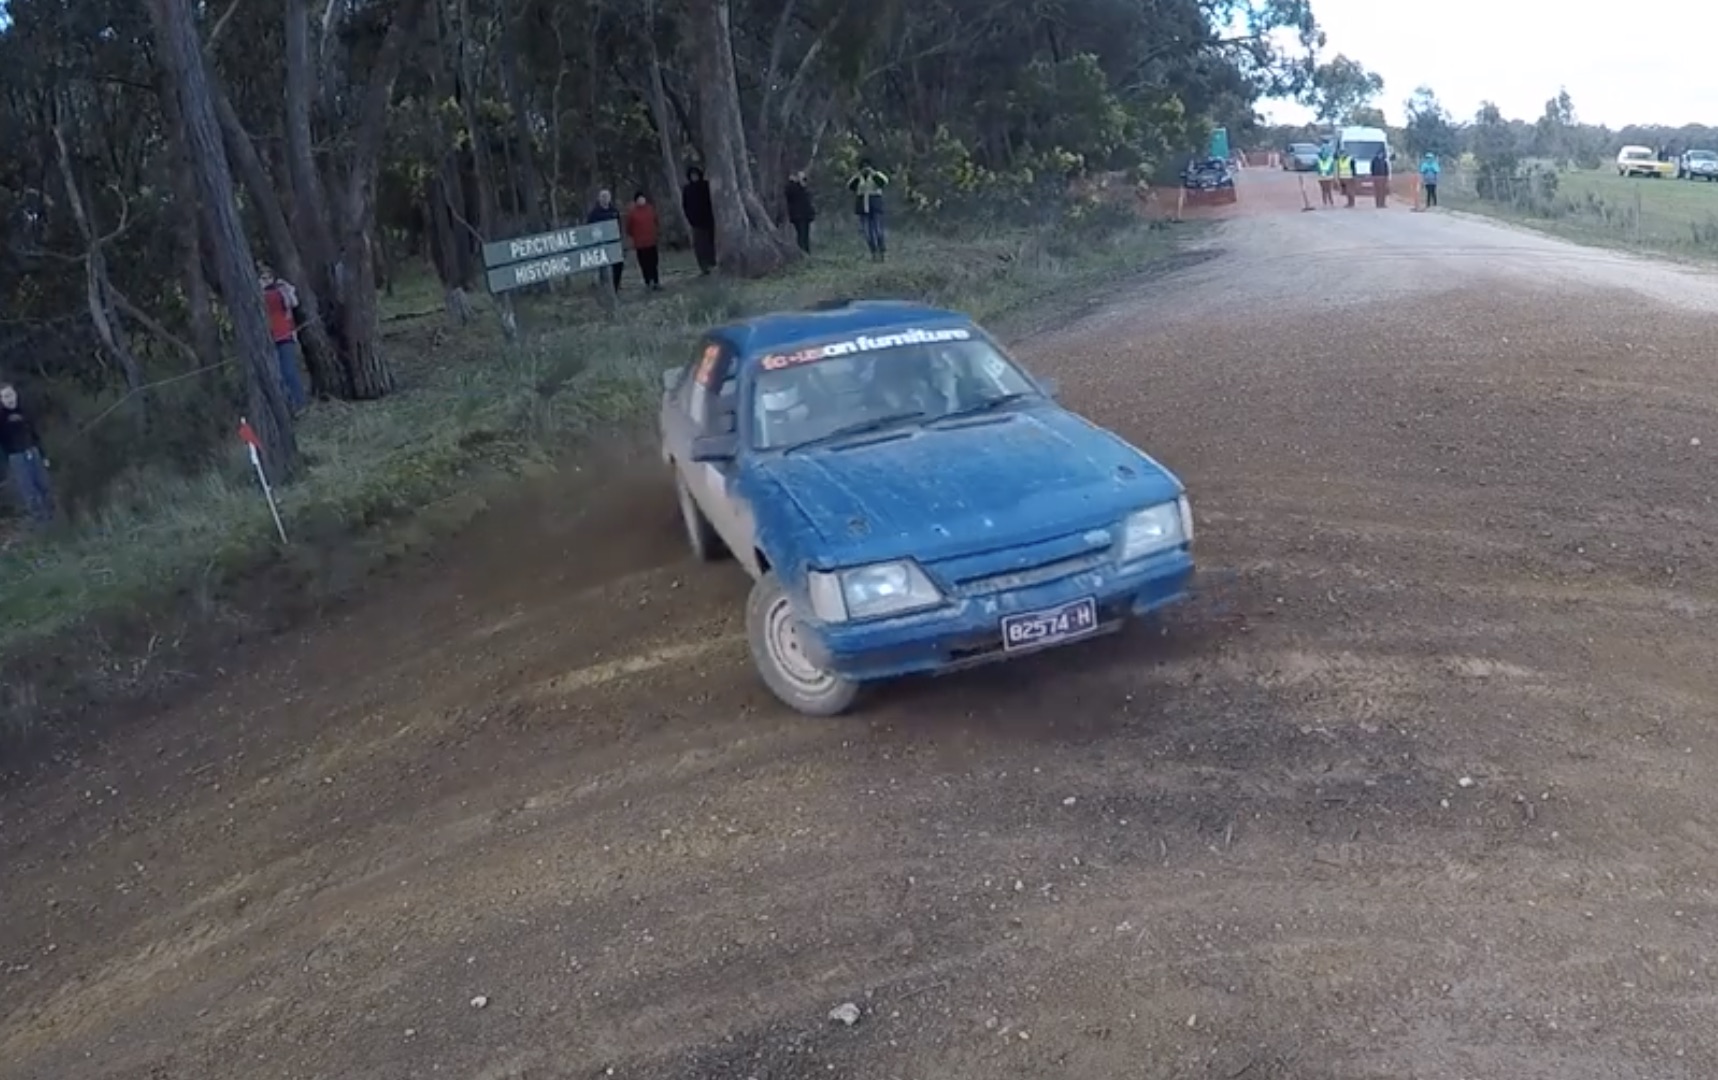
[86,612]
[1675,218]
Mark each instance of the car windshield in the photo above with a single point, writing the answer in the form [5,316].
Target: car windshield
[1637,155]
[817,393]
[1702,155]
[1303,148]
[1363,151]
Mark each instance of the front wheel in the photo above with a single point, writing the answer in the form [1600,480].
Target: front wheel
[776,638]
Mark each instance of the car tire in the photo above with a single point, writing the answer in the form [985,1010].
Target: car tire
[773,634]
[701,536]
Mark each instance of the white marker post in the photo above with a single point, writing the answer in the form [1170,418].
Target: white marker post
[254,445]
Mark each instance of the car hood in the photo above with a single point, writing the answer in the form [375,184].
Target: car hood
[939,491]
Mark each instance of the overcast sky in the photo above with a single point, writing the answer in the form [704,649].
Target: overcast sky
[1651,61]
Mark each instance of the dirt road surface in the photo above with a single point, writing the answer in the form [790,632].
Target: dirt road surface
[1421,786]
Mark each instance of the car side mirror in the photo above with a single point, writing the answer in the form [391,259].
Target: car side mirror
[1052,389]
[713,448]
[671,379]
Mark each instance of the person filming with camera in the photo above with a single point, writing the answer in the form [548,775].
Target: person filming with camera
[867,186]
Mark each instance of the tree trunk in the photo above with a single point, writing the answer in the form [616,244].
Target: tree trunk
[660,117]
[482,160]
[316,235]
[747,243]
[483,166]
[327,375]
[181,56]
[531,177]
[200,314]
[356,271]
[97,289]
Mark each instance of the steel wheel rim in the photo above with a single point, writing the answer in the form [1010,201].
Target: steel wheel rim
[781,635]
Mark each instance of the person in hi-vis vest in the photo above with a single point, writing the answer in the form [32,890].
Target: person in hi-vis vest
[1326,176]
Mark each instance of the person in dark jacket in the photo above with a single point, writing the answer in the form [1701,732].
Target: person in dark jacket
[801,211]
[701,217]
[26,466]
[605,210]
[1381,177]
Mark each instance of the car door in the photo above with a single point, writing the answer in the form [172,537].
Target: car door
[674,422]
[715,484]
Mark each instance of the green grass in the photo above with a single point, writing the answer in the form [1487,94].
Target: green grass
[473,413]
[1600,208]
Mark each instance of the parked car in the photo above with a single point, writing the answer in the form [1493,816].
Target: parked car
[907,499]
[1641,161]
[1301,157]
[1210,174]
[1697,165]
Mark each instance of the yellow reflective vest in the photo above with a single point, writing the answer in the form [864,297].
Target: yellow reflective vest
[1326,167]
[1344,165]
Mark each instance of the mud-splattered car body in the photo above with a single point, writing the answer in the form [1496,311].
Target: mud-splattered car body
[965,520]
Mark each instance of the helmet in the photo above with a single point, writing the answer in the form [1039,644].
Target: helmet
[781,398]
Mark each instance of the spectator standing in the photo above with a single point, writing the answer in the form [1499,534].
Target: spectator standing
[1326,175]
[1345,175]
[701,217]
[25,463]
[606,210]
[801,210]
[867,186]
[1430,170]
[1381,177]
[642,229]
[280,300]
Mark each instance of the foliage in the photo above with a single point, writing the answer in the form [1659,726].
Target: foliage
[1429,128]
[1340,87]
[1496,151]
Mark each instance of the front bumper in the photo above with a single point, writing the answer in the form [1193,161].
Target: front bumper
[968,632]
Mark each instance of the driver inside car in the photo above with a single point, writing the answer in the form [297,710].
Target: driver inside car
[902,381]
[785,416]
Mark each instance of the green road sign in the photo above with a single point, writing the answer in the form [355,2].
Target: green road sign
[580,261]
[513,264]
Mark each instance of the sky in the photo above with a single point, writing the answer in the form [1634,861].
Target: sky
[1629,64]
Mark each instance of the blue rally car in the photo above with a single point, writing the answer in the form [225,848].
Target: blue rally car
[907,499]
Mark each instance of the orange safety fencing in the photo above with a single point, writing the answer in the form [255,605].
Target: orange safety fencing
[1154,202]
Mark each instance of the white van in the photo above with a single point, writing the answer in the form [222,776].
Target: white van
[1361,144]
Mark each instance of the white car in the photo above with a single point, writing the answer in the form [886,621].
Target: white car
[1642,161]
[1697,165]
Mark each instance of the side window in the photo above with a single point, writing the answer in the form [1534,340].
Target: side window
[712,388]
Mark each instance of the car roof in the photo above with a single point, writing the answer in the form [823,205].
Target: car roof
[836,319]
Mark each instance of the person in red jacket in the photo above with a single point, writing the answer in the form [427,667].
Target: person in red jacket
[279,299]
[642,228]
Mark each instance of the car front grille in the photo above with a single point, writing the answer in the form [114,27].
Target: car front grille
[1028,565]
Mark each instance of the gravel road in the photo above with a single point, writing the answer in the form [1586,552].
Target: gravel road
[1419,787]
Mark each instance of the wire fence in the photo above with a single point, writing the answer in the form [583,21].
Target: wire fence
[1669,216]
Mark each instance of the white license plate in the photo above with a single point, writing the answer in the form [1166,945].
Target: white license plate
[1034,628]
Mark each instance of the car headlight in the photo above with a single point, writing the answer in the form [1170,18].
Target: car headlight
[1154,529]
[866,592]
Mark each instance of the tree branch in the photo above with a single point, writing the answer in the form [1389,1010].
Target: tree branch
[221,23]
[124,304]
